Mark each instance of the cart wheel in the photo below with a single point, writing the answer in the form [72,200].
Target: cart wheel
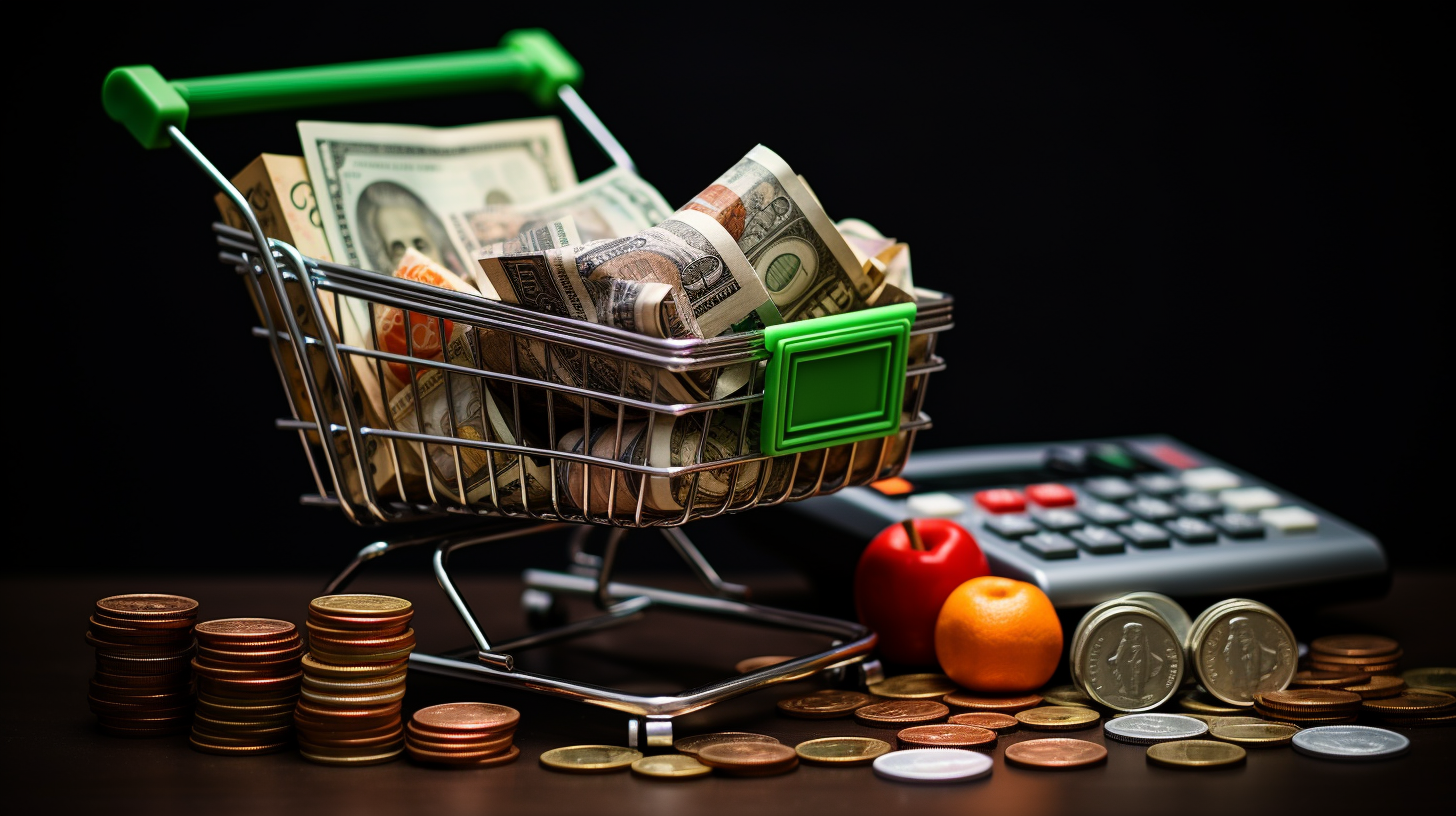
[543,609]
[857,677]
[649,733]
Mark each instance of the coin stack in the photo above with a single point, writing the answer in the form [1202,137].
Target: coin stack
[142,686]
[1411,708]
[1128,653]
[353,679]
[247,674]
[1354,654]
[463,735]
[1308,707]
[1240,648]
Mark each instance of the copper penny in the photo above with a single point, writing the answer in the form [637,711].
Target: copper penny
[1358,663]
[1003,705]
[1000,723]
[502,758]
[356,712]
[1056,753]
[1353,645]
[946,735]
[1367,669]
[1306,700]
[1410,701]
[345,634]
[288,652]
[360,624]
[147,606]
[355,742]
[492,745]
[245,630]
[160,626]
[369,644]
[692,745]
[451,737]
[1326,679]
[467,717]
[106,628]
[824,705]
[899,713]
[748,756]
[1378,687]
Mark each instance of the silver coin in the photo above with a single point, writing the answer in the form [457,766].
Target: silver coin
[1146,729]
[933,765]
[1350,742]
[1240,648]
[1173,613]
[1131,660]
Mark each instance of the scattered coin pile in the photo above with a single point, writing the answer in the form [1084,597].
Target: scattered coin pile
[142,686]
[353,679]
[463,735]
[1308,707]
[1354,654]
[247,675]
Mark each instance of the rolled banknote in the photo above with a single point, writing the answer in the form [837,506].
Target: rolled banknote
[613,204]
[806,265]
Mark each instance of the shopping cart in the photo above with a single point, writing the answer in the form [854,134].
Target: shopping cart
[539,423]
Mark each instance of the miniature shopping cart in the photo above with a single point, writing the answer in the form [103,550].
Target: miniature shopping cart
[537,422]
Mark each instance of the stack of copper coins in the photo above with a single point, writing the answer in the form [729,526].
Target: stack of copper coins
[142,686]
[463,735]
[1308,707]
[353,679]
[247,675]
[1364,655]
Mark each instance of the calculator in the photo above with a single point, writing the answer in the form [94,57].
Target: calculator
[1090,520]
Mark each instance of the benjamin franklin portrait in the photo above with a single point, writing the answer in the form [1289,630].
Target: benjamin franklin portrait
[392,219]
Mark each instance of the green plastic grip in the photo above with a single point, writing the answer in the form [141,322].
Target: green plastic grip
[836,379]
[528,60]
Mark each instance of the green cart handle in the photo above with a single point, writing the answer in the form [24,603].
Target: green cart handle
[528,60]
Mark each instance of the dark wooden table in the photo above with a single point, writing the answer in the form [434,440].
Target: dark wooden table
[56,762]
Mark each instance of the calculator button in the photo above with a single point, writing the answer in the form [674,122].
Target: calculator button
[1239,525]
[1106,457]
[1001,500]
[1051,494]
[1063,459]
[1151,509]
[1049,545]
[1249,499]
[1198,504]
[1105,513]
[1099,540]
[1192,530]
[1144,535]
[1158,484]
[1290,519]
[1211,479]
[935,505]
[1109,488]
[1011,526]
[1059,520]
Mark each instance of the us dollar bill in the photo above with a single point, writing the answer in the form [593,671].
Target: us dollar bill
[807,267]
[612,204]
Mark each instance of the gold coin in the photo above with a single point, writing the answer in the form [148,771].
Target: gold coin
[670,766]
[1254,734]
[361,606]
[913,687]
[1435,679]
[350,700]
[841,750]
[692,745]
[1195,754]
[1058,718]
[590,758]
[992,720]
[355,669]
[1067,696]
[363,684]
[353,761]
[1201,703]
[824,705]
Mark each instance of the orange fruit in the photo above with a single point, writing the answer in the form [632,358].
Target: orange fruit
[998,634]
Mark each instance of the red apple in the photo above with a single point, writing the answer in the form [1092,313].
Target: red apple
[901,583]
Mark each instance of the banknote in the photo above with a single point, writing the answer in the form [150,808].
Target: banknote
[807,266]
[612,204]
[870,245]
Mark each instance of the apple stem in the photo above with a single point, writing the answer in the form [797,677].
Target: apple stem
[915,542]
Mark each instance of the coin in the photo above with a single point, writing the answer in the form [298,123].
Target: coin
[1353,645]
[360,606]
[1145,729]
[933,765]
[1241,647]
[1378,687]
[826,704]
[147,606]
[946,735]
[348,700]
[1130,659]
[201,744]
[1004,705]
[1364,668]
[1173,612]
[1410,701]
[356,669]
[245,629]
[1435,679]
[692,745]
[158,625]
[349,760]
[1306,700]
[370,644]
[1057,753]
[1433,720]
[360,685]
[1067,696]
[913,687]
[467,717]
[1351,742]
[900,713]
[671,766]
[360,713]
[1195,753]
[749,757]
[841,750]
[348,659]
[1261,735]
[499,758]
[1326,679]
[316,628]
[426,754]
[1201,703]
[1000,723]
[590,758]
[486,745]
[1058,718]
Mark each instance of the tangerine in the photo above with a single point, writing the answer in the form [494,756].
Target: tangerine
[998,635]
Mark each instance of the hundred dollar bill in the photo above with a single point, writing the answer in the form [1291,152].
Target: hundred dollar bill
[612,204]
[806,265]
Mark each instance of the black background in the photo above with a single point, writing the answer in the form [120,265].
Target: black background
[1221,228]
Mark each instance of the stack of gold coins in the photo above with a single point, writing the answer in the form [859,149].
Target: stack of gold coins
[463,735]
[353,679]
[247,674]
[142,686]
[1355,654]
[1308,707]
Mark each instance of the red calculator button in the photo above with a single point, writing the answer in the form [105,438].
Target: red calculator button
[1001,500]
[1051,495]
